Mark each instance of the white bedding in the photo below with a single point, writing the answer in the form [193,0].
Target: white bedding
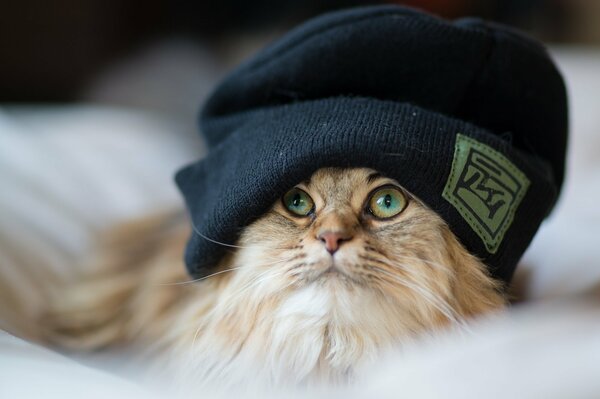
[68,172]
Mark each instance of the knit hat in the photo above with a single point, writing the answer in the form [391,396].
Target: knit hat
[469,116]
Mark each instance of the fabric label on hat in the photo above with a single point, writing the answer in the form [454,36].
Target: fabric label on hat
[486,188]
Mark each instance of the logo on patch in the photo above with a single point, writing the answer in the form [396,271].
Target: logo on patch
[486,189]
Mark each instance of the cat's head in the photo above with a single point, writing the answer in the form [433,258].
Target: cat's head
[342,266]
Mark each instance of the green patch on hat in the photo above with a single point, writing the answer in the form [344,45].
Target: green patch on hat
[486,188]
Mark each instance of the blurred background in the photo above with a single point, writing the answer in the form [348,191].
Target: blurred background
[166,55]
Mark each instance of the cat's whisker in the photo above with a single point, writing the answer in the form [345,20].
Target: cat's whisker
[437,266]
[278,261]
[196,333]
[232,302]
[219,311]
[434,300]
[225,271]
[298,265]
[256,280]
[196,231]
[441,304]
[201,278]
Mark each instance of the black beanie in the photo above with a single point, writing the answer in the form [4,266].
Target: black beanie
[469,116]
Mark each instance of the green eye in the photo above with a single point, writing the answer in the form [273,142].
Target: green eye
[387,202]
[298,202]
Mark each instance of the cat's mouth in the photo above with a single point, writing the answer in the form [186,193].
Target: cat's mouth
[332,270]
[335,272]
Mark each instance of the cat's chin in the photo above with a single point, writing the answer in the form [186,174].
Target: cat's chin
[334,276]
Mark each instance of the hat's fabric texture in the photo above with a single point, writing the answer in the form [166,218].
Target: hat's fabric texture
[470,117]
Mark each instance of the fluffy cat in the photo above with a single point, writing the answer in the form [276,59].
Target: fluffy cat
[346,265]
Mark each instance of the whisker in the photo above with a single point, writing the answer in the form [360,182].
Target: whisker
[257,280]
[436,265]
[373,259]
[196,231]
[278,261]
[386,260]
[196,336]
[201,278]
[298,265]
[292,257]
[439,303]
[232,301]
[225,271]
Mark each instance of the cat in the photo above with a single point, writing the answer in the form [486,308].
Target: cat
[342,267]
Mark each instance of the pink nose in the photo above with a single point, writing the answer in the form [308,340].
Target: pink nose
[333,240]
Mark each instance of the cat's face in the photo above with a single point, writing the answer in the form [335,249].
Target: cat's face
[352,235]
[349,227]
[342,266]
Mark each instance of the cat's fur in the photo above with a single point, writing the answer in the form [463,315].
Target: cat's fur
[269,315]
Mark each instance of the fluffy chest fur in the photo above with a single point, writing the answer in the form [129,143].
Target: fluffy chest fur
[316,334]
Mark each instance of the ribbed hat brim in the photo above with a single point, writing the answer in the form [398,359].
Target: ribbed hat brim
[269,150]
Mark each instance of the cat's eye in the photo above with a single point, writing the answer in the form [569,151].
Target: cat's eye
[386,202]
[298,202]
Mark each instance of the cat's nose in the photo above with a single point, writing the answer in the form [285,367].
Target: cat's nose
[333,239]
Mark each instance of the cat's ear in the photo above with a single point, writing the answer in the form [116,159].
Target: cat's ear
[475,291]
